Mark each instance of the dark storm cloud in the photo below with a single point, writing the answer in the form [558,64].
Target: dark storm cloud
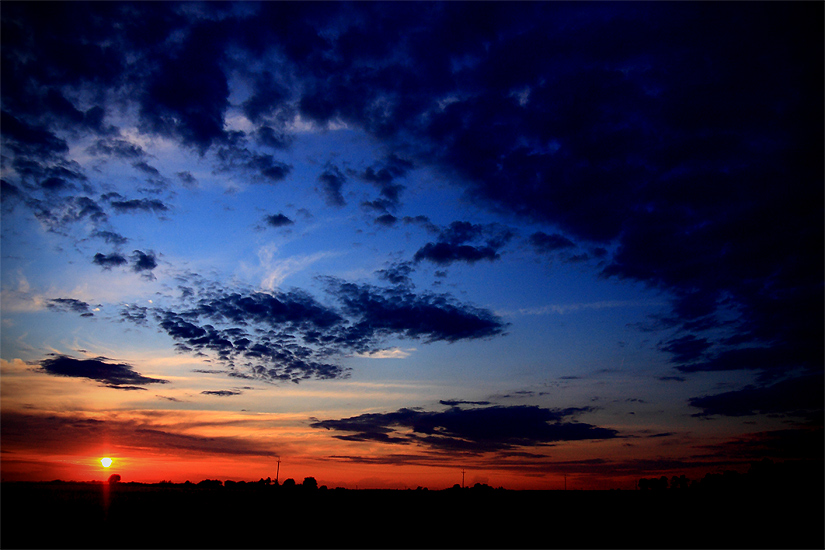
[769,363]
[685,348]
[613,132]
[267,136]
[100,369]
[481,429]
[30,140]
[454,245]
[70,304]
[186,95]
[686,137]
[793,444]
[549,243]
[268,94]
[108,261]
[801,396]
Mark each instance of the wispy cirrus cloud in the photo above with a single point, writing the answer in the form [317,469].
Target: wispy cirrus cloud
[71,434]
[563,309]
[277,269]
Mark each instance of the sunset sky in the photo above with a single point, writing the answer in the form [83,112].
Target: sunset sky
[386,243]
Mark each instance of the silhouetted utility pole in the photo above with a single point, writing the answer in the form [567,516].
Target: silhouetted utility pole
[278,471]
[462,478]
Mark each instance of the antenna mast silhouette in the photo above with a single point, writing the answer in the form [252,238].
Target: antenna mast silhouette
[278,471]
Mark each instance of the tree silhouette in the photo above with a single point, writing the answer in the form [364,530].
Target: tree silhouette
[114,478]
[309,483]
[653,483]
[680,482]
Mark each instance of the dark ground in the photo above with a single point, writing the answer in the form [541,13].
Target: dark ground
[74,515]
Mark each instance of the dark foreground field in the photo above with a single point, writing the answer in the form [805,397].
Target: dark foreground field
[90,515]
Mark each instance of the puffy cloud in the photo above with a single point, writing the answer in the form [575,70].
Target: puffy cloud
[107,261]
[384,175]
[111,237]
[144,262]
[453,246]
[137,205]
[397,274]
[58,216]
[263,166]
[387,220]
[332,181]
[70,304]
[119,148]
[378,312]
[291,336]
[480,429]
[278,220]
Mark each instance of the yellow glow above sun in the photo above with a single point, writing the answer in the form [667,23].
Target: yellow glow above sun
[106,461]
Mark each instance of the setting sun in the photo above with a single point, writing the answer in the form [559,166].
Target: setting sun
[106,461]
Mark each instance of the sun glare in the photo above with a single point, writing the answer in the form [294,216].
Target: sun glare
[106,461]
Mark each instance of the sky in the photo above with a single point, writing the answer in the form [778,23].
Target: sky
[391,245]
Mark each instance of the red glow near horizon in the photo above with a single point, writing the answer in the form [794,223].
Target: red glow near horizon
[152,468]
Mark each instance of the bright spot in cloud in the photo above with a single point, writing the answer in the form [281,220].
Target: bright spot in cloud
[392,353]
[106,461]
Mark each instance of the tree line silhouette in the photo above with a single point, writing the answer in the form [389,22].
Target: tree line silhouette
[309,483]
[211,513]
[765,475]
